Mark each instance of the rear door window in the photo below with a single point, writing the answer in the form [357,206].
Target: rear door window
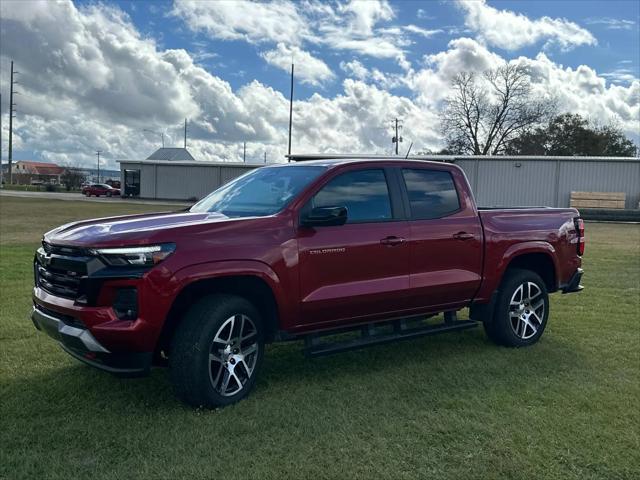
[432,193]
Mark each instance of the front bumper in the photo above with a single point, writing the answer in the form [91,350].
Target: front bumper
[82,345]
[574,282]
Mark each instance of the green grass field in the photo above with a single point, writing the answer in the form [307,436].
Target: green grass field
[447,407]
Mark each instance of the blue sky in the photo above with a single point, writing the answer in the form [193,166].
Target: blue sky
[613,23]
[118,68]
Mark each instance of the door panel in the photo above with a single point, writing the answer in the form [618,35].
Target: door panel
[360,268]
[445,270]
[445,251]
[348,272]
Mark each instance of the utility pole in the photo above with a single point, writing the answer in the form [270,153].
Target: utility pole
[265,156]
[244,152]
[397,139]
[1,174]
[185,133]
[11,117]
[98,152]
[290,113]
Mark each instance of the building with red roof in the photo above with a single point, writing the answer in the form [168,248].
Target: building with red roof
[27,172]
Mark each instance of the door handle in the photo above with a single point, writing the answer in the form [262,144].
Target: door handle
[463,236]
[392,241]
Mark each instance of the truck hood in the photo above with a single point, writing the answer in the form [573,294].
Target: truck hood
[137,229]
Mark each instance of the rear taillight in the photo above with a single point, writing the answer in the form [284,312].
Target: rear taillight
[580,229]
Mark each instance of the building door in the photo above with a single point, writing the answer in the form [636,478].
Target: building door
[132,183]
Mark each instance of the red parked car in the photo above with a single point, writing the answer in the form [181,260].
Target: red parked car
[300,251]
[98,189]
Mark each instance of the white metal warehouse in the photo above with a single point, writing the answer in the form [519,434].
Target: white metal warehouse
[496,181]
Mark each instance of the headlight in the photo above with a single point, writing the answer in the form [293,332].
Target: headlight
[146,256]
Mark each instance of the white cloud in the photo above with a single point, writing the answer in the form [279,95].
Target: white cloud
[611,23]
[423,15]
[352,26]
[97,83]
[309,69]
[355,69]
[422,31]
[463,55]
[365,15]
[254,22]
[620,75]
[511,31]
[581,90]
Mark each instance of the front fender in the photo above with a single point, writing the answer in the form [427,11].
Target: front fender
[228,268]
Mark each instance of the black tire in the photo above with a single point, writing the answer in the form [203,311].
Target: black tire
[523,324]
[191,367]
[88,194]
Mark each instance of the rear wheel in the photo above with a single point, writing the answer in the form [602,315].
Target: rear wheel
[521,310]
[217,351]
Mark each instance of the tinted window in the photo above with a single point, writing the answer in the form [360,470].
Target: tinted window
[260,192]
[363,192]
[432,193]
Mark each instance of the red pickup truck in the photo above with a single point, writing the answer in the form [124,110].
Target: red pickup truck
[300,251]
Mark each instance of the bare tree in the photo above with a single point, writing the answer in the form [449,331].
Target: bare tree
[72,177]
[484,113]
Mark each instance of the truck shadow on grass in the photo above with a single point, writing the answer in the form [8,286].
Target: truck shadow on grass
[463,364]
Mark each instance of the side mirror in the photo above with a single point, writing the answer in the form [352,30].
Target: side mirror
[324,217]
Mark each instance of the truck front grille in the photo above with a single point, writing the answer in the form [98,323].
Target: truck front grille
[59,270]
[58,282]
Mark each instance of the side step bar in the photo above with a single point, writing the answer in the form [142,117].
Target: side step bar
[381,333]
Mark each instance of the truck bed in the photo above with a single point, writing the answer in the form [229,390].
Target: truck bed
[539,228]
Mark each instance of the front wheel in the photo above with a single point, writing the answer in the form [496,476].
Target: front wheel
[217,351]
[521,310]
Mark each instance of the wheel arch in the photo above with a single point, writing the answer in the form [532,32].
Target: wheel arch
[252,287]
[539,262]
[539,257]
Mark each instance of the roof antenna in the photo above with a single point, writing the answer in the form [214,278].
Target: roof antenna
[408,151]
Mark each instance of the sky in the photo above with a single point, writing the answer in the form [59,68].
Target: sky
[117,75]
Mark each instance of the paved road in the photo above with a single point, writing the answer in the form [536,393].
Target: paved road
[77,197]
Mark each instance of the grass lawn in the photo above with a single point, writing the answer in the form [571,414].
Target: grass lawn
[447,407]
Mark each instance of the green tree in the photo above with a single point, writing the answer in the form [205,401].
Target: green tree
[572,135]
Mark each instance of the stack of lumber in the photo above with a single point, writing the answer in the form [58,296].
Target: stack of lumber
[597,199]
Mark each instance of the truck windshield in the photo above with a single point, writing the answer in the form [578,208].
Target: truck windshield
[260,192]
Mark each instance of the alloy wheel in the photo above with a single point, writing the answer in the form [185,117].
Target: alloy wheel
[526,310]
[233,355]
